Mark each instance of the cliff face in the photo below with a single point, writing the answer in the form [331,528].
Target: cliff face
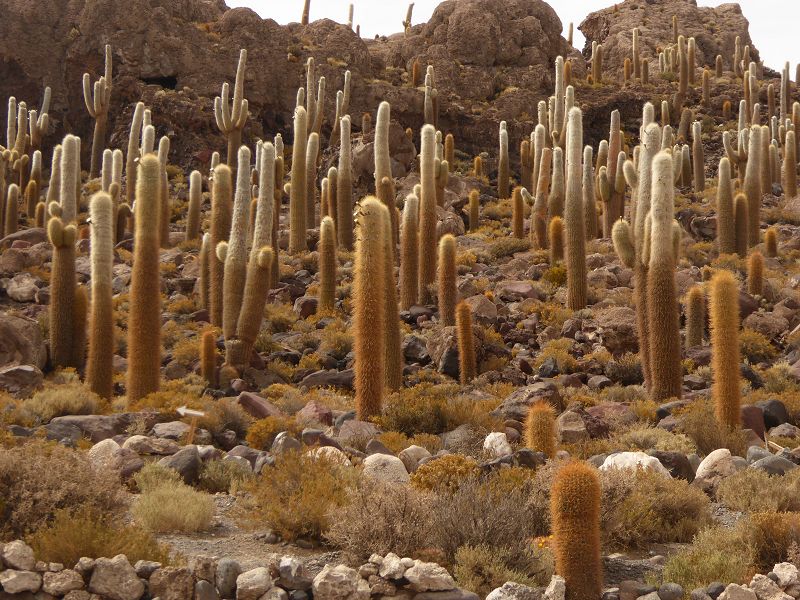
[493,61]
[714,29]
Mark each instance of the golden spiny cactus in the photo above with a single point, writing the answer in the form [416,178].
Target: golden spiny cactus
[447,280]
[62,291]
[327,266]
[298,189]
[771,242]
[695,316]
[755,274]
[208,358]
[725,359]
[409,246]
[518,214]
[467,365]
[574,214]
[221,209]
[556,241]
[474,210]
[540,429]
[426,272]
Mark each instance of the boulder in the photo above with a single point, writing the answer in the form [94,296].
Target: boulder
[339,583]
[718,465]
[186,462]
[634,460]
[171,583]
[429,577]
[20,380]
[61,582]
[496,445]
[115,579]
[21,341]
[253,584]
[515,591]
[17,555]
[385,468]
[17,582]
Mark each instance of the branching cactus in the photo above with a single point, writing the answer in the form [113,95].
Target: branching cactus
[144,323]
[574,214]
[62,292]
[409,247]
[369,305]
[99,369]
[725,358]
[575,512]
[98,102]
[342,108]
[231,116]
[467,364]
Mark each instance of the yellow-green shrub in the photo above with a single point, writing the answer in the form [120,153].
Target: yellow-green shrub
[262,433]
[446,473]
[173,507]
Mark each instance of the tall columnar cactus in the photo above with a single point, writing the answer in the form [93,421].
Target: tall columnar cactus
[195,200]
[555,201]
[248,323]
[342,108]
[132,155]
[204,279]
[741,220]
[297,191]
[166,208]
[144,322]
[467,365]
[80,312]
[383,163]
[597,63]
[755,274]
[726,225]
[98,101]
[725,359]
[698,159]
[62,291]
[409,258]
[235,269]
[665,349]
[306,11]
[99,370]
[208,358]
[344,188]
[474,210]
[393,341]
[450,150]
[266,215]
[540,429]
[517,214]
[752,186]
[426,272]
[312,153]
[695,316]
[790,165]
[556,240]
[575,514]
[327,266]
[231,117]
[541,201]
[589,197]
[503,184]
[447,280]
[221,209]
[637,61]
[70,180]
[574,214]
[771,242]
[369,306]
[11,217]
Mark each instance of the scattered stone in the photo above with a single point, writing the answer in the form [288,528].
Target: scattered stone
[186,462]
[16,582]
[115,579]
[251,585]
[634,460]
[18,555]
[555,589]
[786,572]
[62,582]
[386,468]
[293,574]
[228,570]
[429,577]
[737,592]
[496,445]
[766,589]
[339,583]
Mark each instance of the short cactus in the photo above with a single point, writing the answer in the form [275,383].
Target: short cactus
[725,359]
[327,266]
[467,365]
[695,316]
[540,429]
[771,242]
[447,280]
[755,274]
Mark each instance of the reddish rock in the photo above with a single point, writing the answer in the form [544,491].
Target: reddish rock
[257,407]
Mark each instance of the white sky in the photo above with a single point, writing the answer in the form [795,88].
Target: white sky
[771,21]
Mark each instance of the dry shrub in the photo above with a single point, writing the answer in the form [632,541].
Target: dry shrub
[699,422]
[482,568]
[174,507]
[446,473]
[508,246]
[223,476]
[224,414]
[642,507]
[771,535]
[264,431]
[420,409]
[72,535]
[37,479]
[753,490]
[558,350]
[755,346]
[153,475]
[642,437]
[382,517]
[60,400]
[296,496]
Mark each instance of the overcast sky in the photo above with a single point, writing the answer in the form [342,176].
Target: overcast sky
[771,21]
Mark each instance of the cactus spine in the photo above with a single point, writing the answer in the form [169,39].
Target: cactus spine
[99,371]
[97,104]
[725,359]
[447,280]
[409,261]
[575,513]
[540,429]
[62,291]
[368,308]
[574,214]
[466,343]
[144,324]
[662,304]
[755,274]
[427,219]
[695,316]
[344,188]
[327,266]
